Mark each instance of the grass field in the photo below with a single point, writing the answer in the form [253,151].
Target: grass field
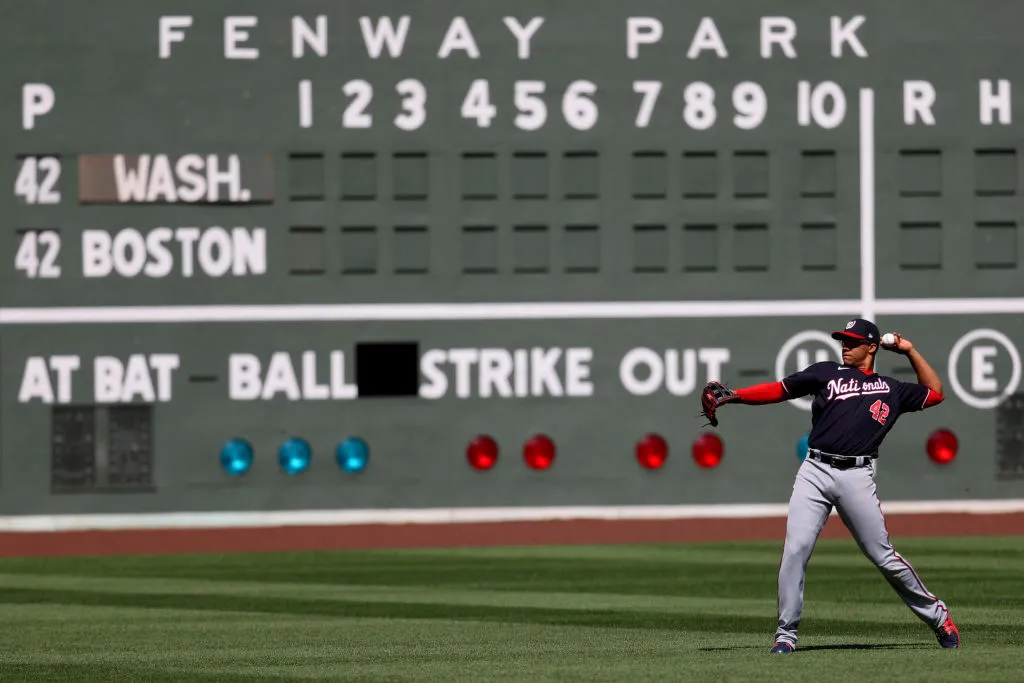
[609,613]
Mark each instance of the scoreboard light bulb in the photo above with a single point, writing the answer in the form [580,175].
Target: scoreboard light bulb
[708,450]
[482,453]
[942,446]
[236,457]
[294,455]
[353,455]
[651,451]
[802,446]
[539,452]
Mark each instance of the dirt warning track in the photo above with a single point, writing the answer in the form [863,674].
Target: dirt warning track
[367,536]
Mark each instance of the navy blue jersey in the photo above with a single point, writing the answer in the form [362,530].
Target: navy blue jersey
[852,410]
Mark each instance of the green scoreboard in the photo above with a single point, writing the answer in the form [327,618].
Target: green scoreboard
[393,254]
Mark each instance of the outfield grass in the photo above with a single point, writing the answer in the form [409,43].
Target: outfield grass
[611,613]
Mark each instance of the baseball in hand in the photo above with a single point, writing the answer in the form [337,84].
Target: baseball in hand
[888,339]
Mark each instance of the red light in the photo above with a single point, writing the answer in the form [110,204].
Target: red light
[942,446]
[707,450]
[651,451]
[539,452]
[482,453]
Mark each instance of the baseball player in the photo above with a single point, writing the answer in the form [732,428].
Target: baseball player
[852,411]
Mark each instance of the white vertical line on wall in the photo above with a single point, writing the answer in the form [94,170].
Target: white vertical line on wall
[867,202]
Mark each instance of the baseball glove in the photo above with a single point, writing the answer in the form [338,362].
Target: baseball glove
[715,394]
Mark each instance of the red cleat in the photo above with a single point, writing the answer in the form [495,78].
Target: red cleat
[948,635]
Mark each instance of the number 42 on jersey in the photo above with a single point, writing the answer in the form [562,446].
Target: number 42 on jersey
[879,411]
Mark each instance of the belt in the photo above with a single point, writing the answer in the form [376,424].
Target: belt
[839,462]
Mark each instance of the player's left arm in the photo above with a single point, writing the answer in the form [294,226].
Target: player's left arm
[926,375]
[797,385]
[716,394]
[762,394]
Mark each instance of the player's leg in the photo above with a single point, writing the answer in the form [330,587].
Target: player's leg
[858,506]
[809,507]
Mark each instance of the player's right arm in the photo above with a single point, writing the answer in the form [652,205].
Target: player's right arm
[926,374]
[928,390]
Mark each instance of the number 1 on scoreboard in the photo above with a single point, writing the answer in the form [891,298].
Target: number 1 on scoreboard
[37,180]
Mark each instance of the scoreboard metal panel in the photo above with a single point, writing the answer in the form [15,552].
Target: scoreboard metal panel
[566,217]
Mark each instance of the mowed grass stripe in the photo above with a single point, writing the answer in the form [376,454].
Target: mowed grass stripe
[397,650]
[530,614]
[405,594]
[1001,553]
[836,572]
[703,621]
[274,648]
[889,610]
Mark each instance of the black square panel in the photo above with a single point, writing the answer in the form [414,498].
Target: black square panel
[387,369]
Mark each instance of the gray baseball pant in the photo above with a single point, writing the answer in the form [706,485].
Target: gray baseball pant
[819,487]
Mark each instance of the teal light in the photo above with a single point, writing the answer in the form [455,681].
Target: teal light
[801,447]
[353,455]
[236,457]
[294,455]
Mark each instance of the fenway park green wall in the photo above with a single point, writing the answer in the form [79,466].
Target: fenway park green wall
[355,238]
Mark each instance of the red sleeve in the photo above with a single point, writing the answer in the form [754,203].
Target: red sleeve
[769,392]
[933,399]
